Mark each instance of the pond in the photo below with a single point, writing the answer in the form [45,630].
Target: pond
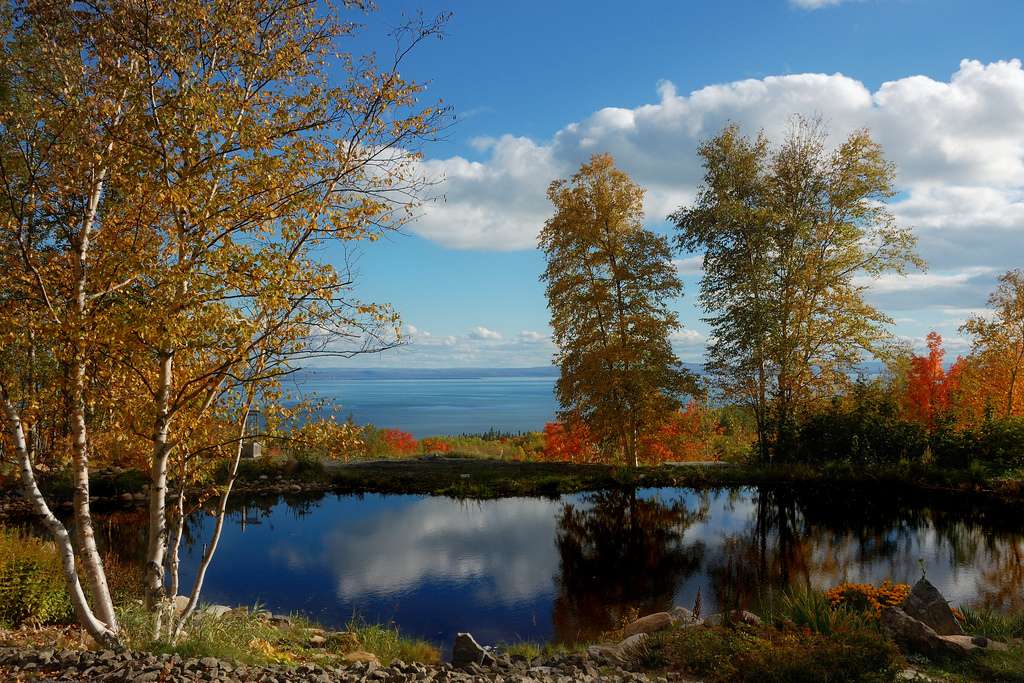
[568,568]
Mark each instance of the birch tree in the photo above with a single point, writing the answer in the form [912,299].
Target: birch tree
[791,236]
[173,178]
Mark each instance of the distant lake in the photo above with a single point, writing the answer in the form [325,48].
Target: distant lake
[438,406]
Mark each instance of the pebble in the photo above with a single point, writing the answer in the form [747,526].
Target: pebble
[140,667]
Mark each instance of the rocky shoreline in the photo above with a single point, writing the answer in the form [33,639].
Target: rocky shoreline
[142,667]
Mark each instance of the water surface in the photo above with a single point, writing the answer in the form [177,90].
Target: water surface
[567,568]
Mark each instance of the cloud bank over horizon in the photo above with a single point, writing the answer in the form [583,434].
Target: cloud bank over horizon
[958,146]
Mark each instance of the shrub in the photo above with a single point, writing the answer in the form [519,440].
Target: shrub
[863,597]
[862,428]
[435,444]
[32,587]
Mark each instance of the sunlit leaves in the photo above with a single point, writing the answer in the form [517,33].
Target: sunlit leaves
[785,232]
[609,285]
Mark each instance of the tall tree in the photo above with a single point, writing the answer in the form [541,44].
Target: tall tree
[608,284]
[999,342]
[791,235]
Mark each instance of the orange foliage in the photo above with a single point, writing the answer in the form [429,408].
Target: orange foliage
[434,444]
[984,387]
[865,597]
[929,386]
[399,442]
[568,443]
[685,436]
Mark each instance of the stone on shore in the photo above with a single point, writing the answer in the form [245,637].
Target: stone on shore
[683,617]
[926,604]
[217,611]
[467,651]
[652,623]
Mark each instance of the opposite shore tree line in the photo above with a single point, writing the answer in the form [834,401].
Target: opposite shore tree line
[171,174]
[792,235]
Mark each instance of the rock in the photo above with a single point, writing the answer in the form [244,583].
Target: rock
[659,621]
[209,662]
[968,644]
[683,617]
[467,651]
[734,617]
[605,654]
[217,611]
[917,637]
[180,603]
[632,642]
[911,675]
[926,604]
[361,657]
[317,640]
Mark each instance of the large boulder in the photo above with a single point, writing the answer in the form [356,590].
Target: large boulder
[466,651]
[659,621]
[683,617]
[926,604]
[910,634]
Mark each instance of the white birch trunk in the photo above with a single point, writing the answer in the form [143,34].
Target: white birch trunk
[156,547]
[104,633]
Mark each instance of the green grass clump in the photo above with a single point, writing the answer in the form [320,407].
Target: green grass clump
[809,609]
[385,641]
[32,587]
[773,655]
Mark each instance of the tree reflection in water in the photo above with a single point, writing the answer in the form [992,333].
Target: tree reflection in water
[824,536]
[620,554]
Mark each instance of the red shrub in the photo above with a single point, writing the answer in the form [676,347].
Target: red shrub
[399,442]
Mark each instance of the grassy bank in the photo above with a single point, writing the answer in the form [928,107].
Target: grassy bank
[33,595]
[484,478]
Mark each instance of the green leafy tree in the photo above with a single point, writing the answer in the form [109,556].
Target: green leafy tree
[608,281]
[791,235]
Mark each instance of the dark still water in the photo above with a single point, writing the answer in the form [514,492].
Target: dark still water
[539,569]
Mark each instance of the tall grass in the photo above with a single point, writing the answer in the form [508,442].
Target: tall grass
[990,623]
[809,609]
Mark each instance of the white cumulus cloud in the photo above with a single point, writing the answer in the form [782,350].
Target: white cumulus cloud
[482,333]
[958,145]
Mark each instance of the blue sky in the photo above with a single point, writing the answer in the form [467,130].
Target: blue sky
[539,87]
